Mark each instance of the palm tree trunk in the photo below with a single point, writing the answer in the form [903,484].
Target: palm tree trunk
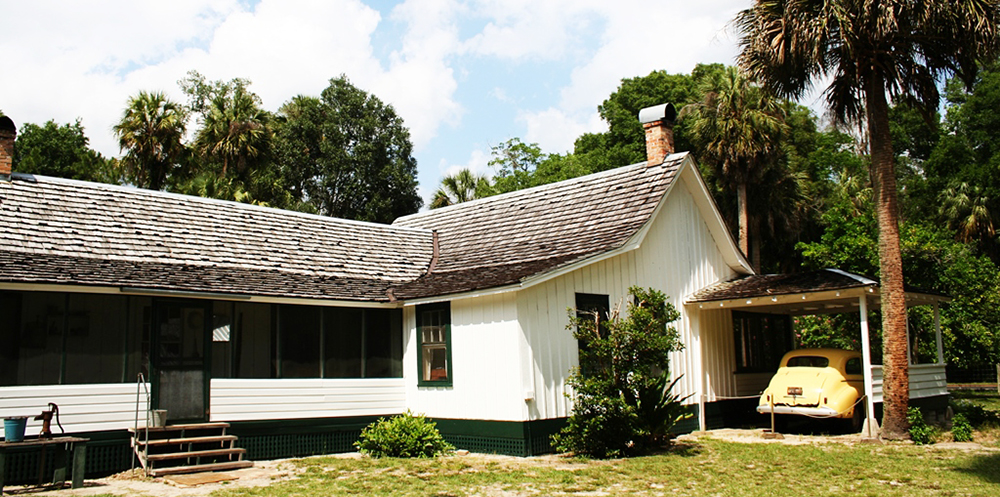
[895,386]
[741,192]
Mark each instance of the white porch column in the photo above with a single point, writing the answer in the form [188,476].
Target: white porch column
[866,354]
[937,333]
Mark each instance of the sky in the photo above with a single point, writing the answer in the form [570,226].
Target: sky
[464,75]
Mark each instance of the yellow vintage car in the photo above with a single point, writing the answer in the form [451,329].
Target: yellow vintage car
[819,383]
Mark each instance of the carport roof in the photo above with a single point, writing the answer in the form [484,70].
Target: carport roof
[815,292]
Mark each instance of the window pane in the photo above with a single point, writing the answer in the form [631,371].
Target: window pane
[299,332]
[435,363]
[342,345]
[95,341]
[384,344]
[253,341]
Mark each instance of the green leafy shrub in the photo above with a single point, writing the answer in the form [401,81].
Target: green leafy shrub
[405,435]
[622,395]
[975,413]
[961,430]
[920,432]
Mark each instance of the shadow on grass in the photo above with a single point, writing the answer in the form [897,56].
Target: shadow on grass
[984,467]
[681,449]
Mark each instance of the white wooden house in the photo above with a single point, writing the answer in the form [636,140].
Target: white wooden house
[301,329]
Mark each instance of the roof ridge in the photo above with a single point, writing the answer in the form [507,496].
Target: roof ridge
[671,160]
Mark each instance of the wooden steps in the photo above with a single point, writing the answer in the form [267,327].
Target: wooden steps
[201,468]
[196,454]
[187,448]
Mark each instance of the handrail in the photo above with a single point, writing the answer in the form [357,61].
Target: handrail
[139,387]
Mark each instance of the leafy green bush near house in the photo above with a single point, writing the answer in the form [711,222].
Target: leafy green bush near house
[920,432]
[623,402]
[406,435]
[961,430]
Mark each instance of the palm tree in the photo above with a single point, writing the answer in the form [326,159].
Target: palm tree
[150,132]
[872,51]
[967,211]
[738,127]
[235,130]
[462,186]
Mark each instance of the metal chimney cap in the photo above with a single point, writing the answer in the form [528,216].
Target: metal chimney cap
[662,112]
[6,124]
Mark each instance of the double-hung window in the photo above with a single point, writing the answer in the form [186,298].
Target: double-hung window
[434,344]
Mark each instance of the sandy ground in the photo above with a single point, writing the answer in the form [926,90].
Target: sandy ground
[265,473]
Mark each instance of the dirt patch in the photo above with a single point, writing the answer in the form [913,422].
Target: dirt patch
[136,484]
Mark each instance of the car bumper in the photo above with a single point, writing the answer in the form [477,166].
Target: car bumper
[825,412]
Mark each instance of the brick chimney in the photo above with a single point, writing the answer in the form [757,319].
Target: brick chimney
[7,134]
[658,122]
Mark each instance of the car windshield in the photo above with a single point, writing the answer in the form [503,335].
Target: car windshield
[808,361]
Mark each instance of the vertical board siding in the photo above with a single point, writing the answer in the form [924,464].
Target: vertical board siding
[926,380]
[82,408]
[263,399]
[488,379]
[678,256]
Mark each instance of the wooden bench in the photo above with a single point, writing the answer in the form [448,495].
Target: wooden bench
[74,448]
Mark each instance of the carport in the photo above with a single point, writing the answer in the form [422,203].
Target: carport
[832,291]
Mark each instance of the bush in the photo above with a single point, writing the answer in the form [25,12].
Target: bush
[405,435]
[622,400]
[961,430]
[974,413]
[920,432]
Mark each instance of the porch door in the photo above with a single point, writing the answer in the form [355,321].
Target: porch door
[180,332]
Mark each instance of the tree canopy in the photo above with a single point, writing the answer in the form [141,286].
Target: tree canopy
[62,151]
[347,154]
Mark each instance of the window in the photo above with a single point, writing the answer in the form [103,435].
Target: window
[434,344]
[808,361]
[761,341]
[854,366]
[592,306]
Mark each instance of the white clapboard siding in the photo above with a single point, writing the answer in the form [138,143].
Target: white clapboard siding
[82,408]
[263,399]
[678,256]
[926,380]
[488,370]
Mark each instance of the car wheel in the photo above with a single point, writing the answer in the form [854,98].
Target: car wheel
[858,419]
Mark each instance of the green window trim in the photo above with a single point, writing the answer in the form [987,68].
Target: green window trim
[434,364]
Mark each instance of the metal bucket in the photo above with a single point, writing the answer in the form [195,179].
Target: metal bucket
[13,428]
[158,418]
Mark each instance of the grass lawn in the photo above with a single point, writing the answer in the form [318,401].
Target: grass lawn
[705,467]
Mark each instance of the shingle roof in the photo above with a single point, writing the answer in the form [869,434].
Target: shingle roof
[766,285]
[64,231]
[501,240]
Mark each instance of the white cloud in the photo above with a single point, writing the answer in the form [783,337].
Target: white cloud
[518,29]
[637,37]
[555,131]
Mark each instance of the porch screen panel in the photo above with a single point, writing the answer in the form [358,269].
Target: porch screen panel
[10,327]
[95,338]
[222,335]
[254,341]
[299,341]
[32,337]
[384,344]
[342,343]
